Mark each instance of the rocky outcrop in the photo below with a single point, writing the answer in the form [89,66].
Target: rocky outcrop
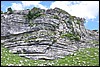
[47,34]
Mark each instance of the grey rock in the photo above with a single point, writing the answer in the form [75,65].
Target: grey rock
[41,39]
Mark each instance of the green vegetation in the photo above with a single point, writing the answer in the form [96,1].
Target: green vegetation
[72,17]
[62,11]
[10,10]
[76,38]
[56,17]
[29,16]
[35,8]
[84,57]
[51,33]
[31,24]
[54,33]
[94,42]
[27,40]
[32,38]
[43,14]
[36,15]
[69,21]
[78,22]
[33,14]
[71,36]
[64,21]
[5,12]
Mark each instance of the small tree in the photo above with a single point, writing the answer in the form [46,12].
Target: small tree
[31,15]
[10,10]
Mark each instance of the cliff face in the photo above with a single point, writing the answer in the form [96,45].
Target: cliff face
[45,34]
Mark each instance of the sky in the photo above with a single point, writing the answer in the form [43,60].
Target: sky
[84,9]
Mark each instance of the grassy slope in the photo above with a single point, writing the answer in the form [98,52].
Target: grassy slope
[86,57]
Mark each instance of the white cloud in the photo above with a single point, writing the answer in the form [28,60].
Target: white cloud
[85,9]
[25,4]
[17,6]
[29,3]
[34,3]
[41,6]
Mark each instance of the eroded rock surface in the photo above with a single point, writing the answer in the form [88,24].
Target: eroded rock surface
[48,36]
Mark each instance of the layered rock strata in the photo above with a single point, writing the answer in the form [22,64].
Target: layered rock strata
[51,34]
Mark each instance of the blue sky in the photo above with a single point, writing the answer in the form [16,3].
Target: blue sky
[85,9]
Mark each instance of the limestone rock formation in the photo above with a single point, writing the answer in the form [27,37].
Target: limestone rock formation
[45,34]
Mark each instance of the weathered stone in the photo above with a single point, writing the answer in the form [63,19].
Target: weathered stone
[41,37]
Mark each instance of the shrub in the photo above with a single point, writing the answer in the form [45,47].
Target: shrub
[10,10]
[31,15]
[36,15]
[56,17]
[76,38]
[35,11]
[35,8]
[78,22]
[69,21]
